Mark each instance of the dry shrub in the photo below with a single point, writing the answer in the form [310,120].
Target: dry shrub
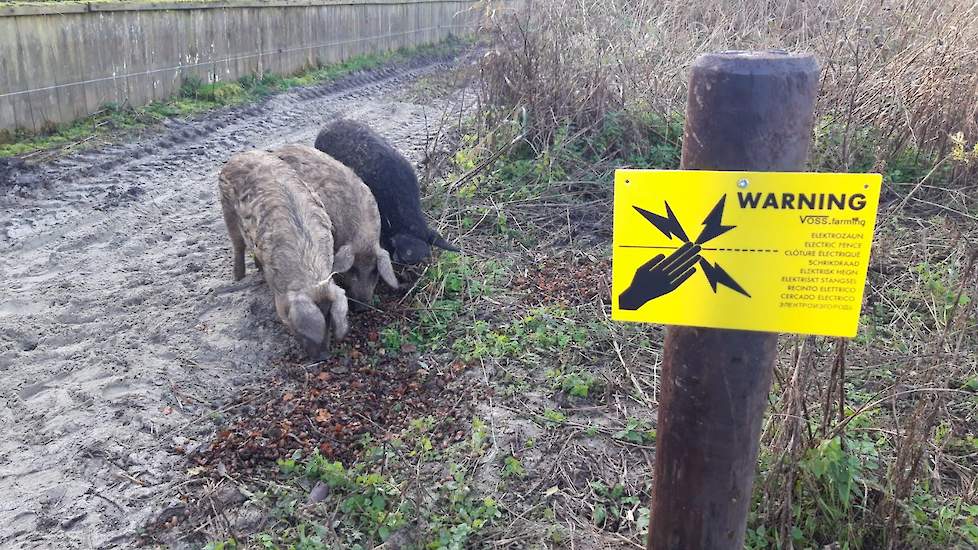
[815,408]
[899,94]
[896,76]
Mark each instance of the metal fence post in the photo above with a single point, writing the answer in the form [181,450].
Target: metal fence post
[745,111]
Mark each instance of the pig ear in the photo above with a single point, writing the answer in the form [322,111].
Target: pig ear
[338,305]
[343,259]
[305,318]
[338,311]
[385,268]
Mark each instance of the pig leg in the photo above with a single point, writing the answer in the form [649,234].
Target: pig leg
[237,239]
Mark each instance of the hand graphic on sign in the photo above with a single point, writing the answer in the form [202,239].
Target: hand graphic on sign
[660,276]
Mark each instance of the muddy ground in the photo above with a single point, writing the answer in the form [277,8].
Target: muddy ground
[121,331]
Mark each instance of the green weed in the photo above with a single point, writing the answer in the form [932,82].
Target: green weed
[512,467]
[636,431]
[479,439]
[369,501]
[554,416]
[449,284]
[542,331]
[942,290]
[575,383]
[391,339]
[525,172]
[612,509]
[942,522]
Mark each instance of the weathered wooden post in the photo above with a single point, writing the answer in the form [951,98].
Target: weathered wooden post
[746,111]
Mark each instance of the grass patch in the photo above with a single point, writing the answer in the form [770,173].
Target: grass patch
[317,503]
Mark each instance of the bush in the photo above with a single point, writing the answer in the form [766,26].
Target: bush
[898,79]
[191,85]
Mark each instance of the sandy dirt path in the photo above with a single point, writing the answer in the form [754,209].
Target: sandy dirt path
[120,328]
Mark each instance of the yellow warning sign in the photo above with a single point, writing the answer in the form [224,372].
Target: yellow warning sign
[768,251]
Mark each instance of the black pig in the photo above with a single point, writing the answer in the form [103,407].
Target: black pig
[391,179]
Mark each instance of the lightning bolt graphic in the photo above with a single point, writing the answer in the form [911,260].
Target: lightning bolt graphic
[669,226]
[714,223]
[713,227]
[717,276]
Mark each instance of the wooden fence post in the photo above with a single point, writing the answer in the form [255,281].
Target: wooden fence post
[749,111]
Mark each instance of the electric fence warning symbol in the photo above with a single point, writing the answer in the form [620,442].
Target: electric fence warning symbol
[767,251]
[662,275]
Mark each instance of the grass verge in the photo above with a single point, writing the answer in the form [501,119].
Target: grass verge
[198,97]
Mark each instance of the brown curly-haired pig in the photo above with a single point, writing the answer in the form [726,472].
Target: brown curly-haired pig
[268,209]
[356,221]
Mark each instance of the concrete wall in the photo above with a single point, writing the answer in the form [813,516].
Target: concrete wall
[60,62]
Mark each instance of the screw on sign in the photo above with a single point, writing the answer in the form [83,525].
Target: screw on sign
[775,250]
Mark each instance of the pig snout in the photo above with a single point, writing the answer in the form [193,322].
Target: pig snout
[408,249]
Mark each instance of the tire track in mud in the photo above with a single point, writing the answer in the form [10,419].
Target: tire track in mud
[119,323]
